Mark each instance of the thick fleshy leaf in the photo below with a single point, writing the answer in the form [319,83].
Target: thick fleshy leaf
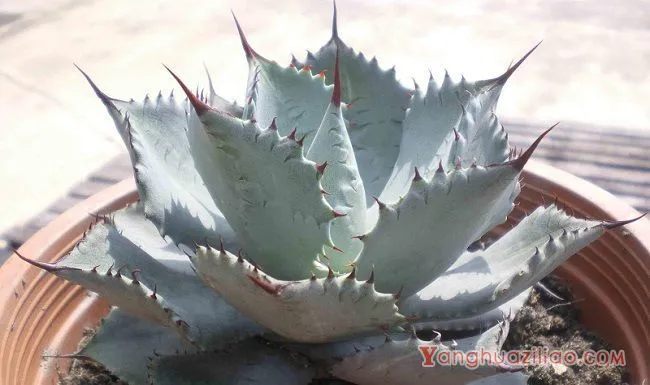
[401,361]
[172,193]
[341,180]
[482,280]
[291,98]
[294,98]
[312,310]
[435,223]
[506,311]
[268,191]
[116,260]
[336,351]
[332,352]
[376,102]
[120,333]
[452,124]
[247,363]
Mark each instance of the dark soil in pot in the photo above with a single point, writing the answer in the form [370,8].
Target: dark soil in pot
[89,373]
[551,322]
[548,320]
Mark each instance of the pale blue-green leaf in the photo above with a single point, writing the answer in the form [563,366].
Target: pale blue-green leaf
[483,280]
[311,310]
[450,124]
[435,223]
[125,345]
[400,361]
[129,242]
[506,311]
[172,193]
[294,98]
[376,102]
[268,191]
[330,352]
[344,187]
[247,363]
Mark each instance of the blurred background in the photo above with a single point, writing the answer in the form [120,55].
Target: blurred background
[592,73]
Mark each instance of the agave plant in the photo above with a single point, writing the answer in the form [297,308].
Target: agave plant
[318,231]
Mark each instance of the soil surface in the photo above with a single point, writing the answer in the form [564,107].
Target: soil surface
[546,321]
[90,373]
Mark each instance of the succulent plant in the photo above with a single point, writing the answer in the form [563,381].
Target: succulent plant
[318,231]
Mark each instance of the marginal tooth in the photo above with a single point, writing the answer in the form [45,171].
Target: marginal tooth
[155,290]
[273,126]
[399,293]
[330,274]
[198,105]
[134,276]
[207,243]
[379,203]
[519,162]
[371,279]
[109,272]
[320,168]
[301,141]
[292,134]
[417,176]
[222,250]
[352,274]
[119,272]
[440,168]
[438,336]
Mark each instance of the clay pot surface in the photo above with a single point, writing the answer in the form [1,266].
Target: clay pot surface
[42,314]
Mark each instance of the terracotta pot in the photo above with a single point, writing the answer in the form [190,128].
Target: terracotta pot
[611,276]
[42,314]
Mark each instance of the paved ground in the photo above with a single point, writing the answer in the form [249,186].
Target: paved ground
[592,67]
